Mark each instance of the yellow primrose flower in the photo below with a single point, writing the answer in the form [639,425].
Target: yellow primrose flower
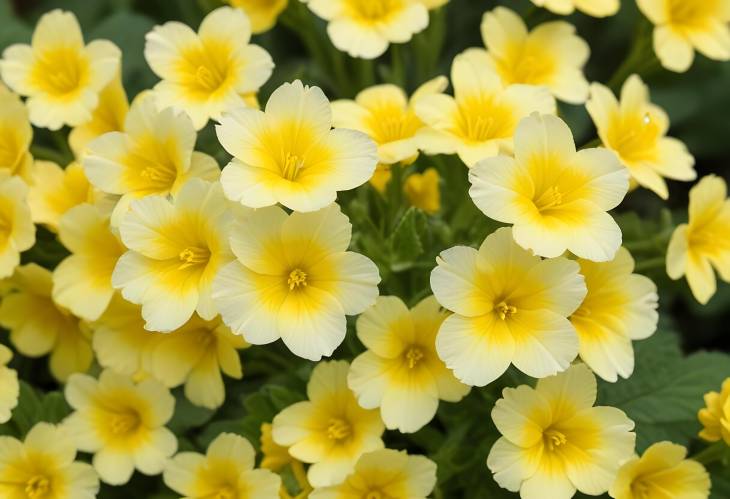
[385,114]
[154,155]
[400,371]
[120,341]
[551,55]
[176,247]
[43,466]
[480,120]
[82,282]
[510,307]
[38,326]
[107,116]
[54,190]
[365,28]
[555,442]
[635,129]
[556,198]
[662,472]
[422,190]
[385,473]
[595,8]
[206,73]
[195,355]
[715,416]
[60,75]
[330,430]
[289,154]
[17,232]
[225,471]
[16,134]
[261,13]
[704,242]
[122,423]
[620,307]
[275,456]
[9,387]
[294,279]
[683,26]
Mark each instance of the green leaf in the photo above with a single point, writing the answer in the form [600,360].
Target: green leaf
[54,408]
[665,392]
[187,415]
[29,408]
[406,241]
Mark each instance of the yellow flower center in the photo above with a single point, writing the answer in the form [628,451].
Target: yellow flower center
[390,123]
[227,492]
[554,439]
[373,10]
[37,487]
[60,72]
[413,356]
[373,494]
[636,138]
[124,423]
[292,165]
[208,68]
[549,199]
[209,79]
[641,490]
[534,68]
[481,119]
[694,13]
[193,255]
[504,310]
[297,279]
[338,429]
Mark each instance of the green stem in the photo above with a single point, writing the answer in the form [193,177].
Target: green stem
[47,154]
[593,143]
[365,71]
[714,452]
[636,60]
[657,243]
[397,66]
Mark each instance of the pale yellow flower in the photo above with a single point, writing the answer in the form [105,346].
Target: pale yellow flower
[82,282]
[556,198]
[153,155]
[176,248]
[385,114]
[60,75]
[551,54]
[715,416]
[43,466]
[683,26]
[635,129]
[400,371]
[555,442]
[107,116]
[704,242]
[17,232]
[120,341]
[195,355]
[480,120]
[289,154]
[38,326]
[422,190]
[9,387]
[226,471]
[261,13]
[385,473]
[511,307]
[365,28]
[16,134]
[294,279]
[661,473]
[620,307]
[206,73]
[122,423]
[330,430]
[595,8]
[275,456]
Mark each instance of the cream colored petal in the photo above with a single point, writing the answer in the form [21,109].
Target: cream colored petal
[356,39]
[713,41]
[384,327]
[521,415]
[502,29]
[569,391]
[226,23]
[511,464]
[163,47]
[673,50]
[454,282]
[351,278]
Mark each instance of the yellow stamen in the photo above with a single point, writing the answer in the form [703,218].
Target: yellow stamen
[227,492]
[551,198]
[37,487]
[554,439]
[292,165]
[504,310]
[374,494]
[413,356]
[124,423]
[297,279]
[192,255]
[338,429]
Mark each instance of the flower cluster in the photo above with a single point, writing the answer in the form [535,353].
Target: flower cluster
[217,213]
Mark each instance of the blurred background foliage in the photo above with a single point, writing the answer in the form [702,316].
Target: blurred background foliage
[674,368]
